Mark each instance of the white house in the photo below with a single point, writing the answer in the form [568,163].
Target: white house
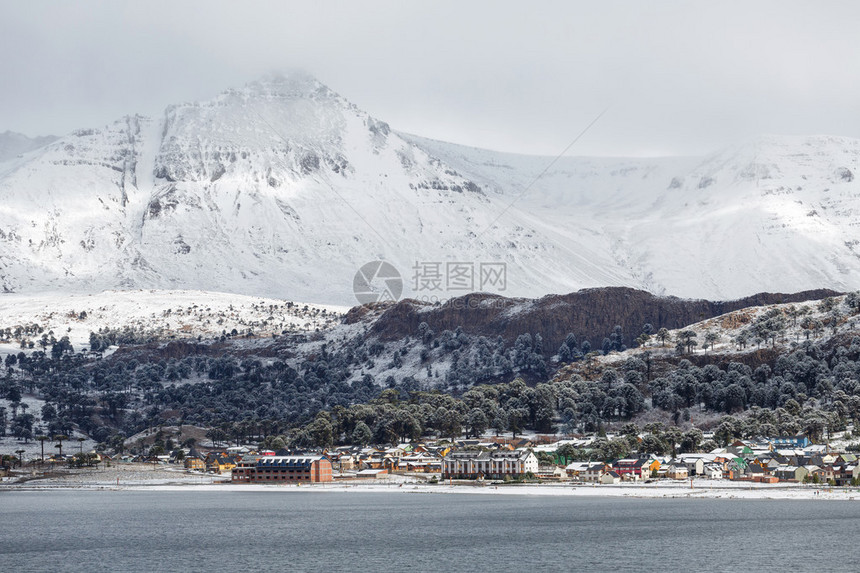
[594,472]
[713,471]
[695,465]
[576,469]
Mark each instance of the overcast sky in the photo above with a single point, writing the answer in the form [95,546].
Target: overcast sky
[678,78]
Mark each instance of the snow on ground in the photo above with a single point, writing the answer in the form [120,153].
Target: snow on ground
[170,313]
[33,448]
[117,475]
[146,477]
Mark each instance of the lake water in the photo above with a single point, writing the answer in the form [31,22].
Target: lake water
[326,531]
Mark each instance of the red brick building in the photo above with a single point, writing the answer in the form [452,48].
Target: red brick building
[280,469]
[629,468]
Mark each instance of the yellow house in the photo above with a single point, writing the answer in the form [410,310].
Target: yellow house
[219,464]
[194,463]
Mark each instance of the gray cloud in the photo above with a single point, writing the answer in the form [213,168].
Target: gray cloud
[679,77]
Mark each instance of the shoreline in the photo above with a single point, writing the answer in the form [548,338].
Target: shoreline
[147,477]
[629,491]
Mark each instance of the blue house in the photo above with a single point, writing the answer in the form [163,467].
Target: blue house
[789,442]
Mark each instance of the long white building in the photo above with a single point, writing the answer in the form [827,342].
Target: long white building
[493,465]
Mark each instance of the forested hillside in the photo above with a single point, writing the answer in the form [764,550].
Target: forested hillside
[760,370]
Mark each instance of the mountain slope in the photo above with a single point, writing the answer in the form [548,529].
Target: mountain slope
[285,189]
[775,213]
[13,144]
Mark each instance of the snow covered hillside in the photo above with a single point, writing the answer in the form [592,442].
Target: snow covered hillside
[285,189]
[167,314]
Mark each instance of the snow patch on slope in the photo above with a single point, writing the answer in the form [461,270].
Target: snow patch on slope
[170,314]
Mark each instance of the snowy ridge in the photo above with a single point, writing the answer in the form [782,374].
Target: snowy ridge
[284,189]
[168,314]
[773,214]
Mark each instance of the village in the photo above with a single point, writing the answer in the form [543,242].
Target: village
[767,461]
[489,460]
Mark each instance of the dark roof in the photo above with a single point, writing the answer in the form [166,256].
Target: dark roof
[488,455]
[287,461]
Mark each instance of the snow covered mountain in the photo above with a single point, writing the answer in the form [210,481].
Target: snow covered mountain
[13,144]
[775,214]
[284,189]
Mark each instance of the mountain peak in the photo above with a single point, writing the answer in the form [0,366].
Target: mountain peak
[297,85]
[297,80]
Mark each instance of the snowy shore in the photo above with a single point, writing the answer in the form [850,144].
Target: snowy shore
[158,478]
[117,476]
[567,490]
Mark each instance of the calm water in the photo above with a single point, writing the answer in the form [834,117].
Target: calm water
[298,531]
